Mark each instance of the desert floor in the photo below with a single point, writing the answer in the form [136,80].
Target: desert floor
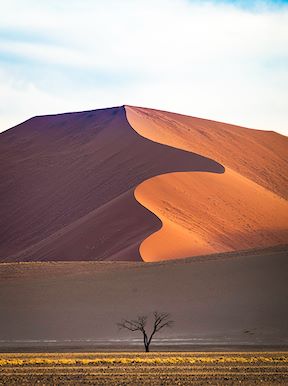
[221,301]
[123,368]
[232,308]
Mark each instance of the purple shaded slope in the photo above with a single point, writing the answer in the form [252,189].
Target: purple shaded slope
[67,185]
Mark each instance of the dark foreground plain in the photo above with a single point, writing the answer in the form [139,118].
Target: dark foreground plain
[123,368]
[223,301]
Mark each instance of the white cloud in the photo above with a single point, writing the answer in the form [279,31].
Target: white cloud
[206,59]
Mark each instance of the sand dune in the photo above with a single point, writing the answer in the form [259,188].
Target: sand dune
[68,183]
[258,155]
[67,186]
[204,213]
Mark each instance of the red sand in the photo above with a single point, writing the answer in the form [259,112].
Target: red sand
[206,213]
[67,187]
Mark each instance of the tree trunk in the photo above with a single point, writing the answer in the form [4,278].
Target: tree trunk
[146,342]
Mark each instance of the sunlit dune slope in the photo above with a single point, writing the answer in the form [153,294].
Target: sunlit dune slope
[67,186]
[258,155]
[203,213]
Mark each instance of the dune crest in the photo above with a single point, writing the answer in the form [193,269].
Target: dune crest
[67,186]
[202,213]
[69,181]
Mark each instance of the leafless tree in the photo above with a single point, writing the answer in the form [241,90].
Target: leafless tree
[161,320]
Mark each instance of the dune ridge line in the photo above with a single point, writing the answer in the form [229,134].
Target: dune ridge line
[67,186]
[190,205]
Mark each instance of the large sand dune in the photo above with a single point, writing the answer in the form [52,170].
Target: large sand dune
[68,183]
[67,186]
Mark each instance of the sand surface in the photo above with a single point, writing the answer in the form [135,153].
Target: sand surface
[223,300]
[129,183]
[67,186]
[258,155]
[154,369]
[204,213]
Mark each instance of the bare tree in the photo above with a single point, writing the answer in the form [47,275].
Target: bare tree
[161,320]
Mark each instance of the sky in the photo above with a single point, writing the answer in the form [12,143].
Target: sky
[221,60]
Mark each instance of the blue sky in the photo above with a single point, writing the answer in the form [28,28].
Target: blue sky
[253,3]
[222,60]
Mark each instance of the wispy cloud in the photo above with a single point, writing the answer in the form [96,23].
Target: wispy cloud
[224,60]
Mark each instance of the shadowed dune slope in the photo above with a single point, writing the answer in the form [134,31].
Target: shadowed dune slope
[245,207]
[67,186]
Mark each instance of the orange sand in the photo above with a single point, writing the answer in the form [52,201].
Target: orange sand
[68,184]
[206,213]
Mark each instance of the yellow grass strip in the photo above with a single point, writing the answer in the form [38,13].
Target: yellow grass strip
[141,360]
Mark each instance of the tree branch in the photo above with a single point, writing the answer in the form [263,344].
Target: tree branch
[161,320]
[134,325]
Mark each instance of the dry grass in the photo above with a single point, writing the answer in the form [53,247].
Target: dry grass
[144,369]
[159,359]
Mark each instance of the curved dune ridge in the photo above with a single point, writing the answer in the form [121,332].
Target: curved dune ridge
[68,183]
[203,213]
[67,186]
